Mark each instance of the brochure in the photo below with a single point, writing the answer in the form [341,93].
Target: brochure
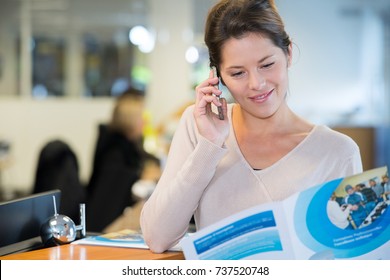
[124,238]
[340,219]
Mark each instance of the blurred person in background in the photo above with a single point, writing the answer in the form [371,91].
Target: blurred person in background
[119,162]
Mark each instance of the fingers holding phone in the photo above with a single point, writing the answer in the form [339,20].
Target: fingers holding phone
[210,110]
[217,86]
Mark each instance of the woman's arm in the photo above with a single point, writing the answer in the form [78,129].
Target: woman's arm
[191,165]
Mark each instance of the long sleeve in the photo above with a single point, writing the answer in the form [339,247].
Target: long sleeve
[191,165]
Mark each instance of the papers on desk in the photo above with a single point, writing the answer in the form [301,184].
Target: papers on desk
[124,238]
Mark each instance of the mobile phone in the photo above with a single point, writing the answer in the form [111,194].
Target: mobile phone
[219,108]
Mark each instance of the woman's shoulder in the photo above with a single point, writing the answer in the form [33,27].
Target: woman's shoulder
[188,110]
[335,149]
[324,135]
[330,133]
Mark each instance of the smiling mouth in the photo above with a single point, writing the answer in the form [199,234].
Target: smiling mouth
[261,97]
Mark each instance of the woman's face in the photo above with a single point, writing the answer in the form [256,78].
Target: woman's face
[255,72]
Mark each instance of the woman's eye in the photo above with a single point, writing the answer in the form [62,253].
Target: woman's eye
[237,74]
[268,65]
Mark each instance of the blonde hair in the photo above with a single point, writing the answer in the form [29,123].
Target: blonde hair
[128,115]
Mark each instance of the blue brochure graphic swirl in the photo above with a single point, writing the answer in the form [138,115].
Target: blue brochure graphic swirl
[347,218]
[317,232]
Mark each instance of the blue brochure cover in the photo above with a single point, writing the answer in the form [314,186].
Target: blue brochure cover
[347,218]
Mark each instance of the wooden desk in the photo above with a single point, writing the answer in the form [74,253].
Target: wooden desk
[91,252]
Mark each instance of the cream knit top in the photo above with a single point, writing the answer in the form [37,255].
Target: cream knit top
[213,182]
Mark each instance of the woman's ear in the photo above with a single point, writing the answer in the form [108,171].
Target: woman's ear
[289,55]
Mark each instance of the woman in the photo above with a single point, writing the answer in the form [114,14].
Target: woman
[119,162]
[261,151]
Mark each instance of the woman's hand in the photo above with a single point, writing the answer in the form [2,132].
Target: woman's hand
[208,122]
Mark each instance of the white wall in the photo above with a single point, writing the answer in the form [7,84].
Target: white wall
[29,124]
[325,75]
[170,85]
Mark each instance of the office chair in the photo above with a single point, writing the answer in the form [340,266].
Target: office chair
[58,169]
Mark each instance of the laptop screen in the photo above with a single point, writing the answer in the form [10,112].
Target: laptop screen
[21,220]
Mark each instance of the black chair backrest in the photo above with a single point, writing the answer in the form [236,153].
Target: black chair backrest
[58,168]
[21,220]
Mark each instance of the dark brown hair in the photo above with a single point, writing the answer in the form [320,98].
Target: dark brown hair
[236,18]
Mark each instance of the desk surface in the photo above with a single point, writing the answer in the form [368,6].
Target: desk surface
[91,252]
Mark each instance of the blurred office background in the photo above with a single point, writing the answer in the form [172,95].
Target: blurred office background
[62,62]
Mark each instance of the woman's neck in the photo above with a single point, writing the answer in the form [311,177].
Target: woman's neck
[281,122]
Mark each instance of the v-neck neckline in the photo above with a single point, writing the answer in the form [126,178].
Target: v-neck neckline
[286,156]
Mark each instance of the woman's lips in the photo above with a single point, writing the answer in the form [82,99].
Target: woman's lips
[261,97]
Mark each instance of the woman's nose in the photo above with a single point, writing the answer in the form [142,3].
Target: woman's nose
[256,81]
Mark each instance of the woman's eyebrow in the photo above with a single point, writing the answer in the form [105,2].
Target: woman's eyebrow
[260,61]
[265,58]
